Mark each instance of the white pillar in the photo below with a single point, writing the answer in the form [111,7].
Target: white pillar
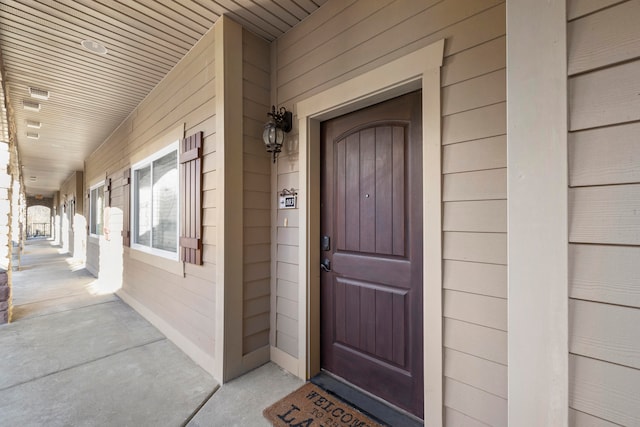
[537,206]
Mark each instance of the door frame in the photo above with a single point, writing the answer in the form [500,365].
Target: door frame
[417,70]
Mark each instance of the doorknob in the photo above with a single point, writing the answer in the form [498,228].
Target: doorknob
[325,265]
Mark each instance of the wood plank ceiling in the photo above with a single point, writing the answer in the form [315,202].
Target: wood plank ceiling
[91,94]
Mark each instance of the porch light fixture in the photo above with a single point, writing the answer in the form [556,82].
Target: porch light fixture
[280,123]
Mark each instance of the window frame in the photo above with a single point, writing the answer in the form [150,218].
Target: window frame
[91,198]
[133,214]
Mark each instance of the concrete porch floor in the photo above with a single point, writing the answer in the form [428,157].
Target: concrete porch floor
[76,357]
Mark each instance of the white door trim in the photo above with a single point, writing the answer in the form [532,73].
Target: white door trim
[417,70]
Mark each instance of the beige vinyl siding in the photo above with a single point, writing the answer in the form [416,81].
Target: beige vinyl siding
[344,39]
[604,201]
[256,193]
[185,97]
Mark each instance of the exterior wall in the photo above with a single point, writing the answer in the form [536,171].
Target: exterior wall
[256,194]
[177,298]
[604,225]
[346,38]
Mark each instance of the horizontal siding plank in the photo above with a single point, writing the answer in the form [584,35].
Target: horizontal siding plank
[477,216]
[606,215]
[476,247]
[605,156]
[475,403]
[604,390]
[288,236]
[580,419]
[470,63]
[382,32]
[474,371]
[479,185]
[609,274]
[287,307]
[605,97]
[604,38]
[480,341]
[478,92]
[257,289]
[476,309]
[286,289]
[486,153]
[453,418]
[288,254]
[604,331]
[287,343]
[578,8]
[287,325]
[465,34]
[475,277]
[475,124]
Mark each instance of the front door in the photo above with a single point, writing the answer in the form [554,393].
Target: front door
[371,225]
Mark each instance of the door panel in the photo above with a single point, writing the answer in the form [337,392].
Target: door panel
[371,299]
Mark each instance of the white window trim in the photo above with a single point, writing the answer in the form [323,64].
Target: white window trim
[93,187]
[174,146]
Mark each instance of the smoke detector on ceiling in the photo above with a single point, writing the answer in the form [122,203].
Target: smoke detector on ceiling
[94,46]
[34,124]
[30,105]
[39,93]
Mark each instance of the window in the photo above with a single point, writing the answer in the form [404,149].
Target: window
[155,203]
[96,209]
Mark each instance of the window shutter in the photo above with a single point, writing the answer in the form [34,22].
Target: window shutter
[107,192]
[126,205]
[191,199]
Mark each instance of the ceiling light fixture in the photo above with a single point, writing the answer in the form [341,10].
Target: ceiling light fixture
[93,46]
[33,135]
[39,93]
[34,124]
[30,105]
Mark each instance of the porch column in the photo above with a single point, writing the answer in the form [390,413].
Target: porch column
[537,207]
[5,234]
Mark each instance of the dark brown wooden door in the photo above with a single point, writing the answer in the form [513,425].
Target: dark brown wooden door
[371,297]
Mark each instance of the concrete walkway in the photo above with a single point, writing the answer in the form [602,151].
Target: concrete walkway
[75,356]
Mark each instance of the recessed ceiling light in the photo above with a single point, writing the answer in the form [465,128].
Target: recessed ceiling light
[39,93]
[33,135]
[93,46]
[30,105]
[33,124]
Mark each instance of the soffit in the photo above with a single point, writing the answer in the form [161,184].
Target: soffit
[91,94]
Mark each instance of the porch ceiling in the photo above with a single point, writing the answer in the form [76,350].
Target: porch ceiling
[91,94]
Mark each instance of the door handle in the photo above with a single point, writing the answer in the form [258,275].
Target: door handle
[325,265]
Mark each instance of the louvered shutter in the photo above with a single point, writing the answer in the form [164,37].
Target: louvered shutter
[126,206]
[191,199]
[107,192]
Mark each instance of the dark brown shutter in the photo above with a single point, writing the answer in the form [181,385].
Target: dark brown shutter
[191,199]
[126,205]
[107,192]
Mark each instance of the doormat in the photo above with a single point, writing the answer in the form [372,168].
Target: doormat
[310,406]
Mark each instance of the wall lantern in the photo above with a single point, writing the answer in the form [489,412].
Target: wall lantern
[279,124]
